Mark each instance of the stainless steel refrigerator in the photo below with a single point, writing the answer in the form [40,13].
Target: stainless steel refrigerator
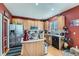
[16,34]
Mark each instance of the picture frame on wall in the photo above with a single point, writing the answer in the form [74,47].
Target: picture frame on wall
[74,22]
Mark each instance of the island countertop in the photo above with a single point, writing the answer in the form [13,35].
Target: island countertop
[30,41]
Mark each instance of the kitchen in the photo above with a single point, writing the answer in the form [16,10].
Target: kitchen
[38,35]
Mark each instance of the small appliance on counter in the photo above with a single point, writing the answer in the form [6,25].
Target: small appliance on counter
[33,33]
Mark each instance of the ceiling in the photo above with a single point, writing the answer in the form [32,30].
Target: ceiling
[38,10]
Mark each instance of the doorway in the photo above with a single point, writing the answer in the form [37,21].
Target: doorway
[5,35]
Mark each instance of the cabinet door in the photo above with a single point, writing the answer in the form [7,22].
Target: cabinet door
[30,23]
[41,25]
[36,23]
[25,24]
[17,21]
[46,25]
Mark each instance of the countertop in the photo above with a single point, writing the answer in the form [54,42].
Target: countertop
[30,41]
[54,35]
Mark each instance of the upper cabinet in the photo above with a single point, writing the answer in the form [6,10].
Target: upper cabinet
[28,23]
[46,25]
[25,24]
[41,25]
[36,23]
[17,21]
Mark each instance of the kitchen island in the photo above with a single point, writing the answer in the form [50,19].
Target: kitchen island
[33,47]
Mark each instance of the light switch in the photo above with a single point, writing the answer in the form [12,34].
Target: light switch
[74,33]
[76,47]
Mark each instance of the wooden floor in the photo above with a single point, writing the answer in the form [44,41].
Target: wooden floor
[54,52]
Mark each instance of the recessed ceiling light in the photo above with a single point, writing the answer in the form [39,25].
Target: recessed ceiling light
[53,9]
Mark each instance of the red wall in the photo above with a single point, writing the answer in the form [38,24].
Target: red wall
[72,14]
[4,9]
[6,13]
[69,15]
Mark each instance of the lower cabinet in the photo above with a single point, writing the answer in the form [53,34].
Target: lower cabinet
[33,48]
[48,39]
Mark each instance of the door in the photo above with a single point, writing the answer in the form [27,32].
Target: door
[4,35]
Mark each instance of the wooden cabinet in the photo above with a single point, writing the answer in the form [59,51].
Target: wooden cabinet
[46,24]
[33,48]
[17,21]
[41,25]
[31,23]
[48,39]
[14,21]
[25,24]
[28,23]
[36,23]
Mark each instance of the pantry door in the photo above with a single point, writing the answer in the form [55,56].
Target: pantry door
[4,35]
